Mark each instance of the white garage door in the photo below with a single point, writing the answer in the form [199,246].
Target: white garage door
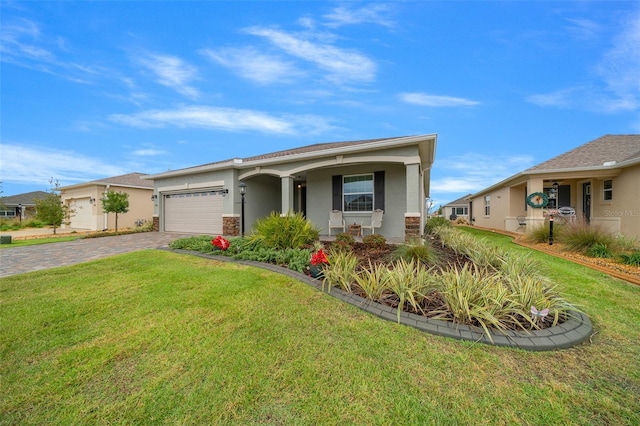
[81,215]
[196,212]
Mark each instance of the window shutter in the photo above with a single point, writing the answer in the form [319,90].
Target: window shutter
[378,190]
[337,192]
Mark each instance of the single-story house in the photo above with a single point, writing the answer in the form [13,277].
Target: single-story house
[21,206]
[84,200]
[598,182]
[457,209]
[355,178]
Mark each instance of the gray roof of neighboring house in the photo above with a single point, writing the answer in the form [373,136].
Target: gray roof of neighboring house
[460,201]
[24,199]
[606,149]
[130,179]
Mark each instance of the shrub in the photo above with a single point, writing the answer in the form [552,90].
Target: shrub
[373,282]
[343,241]
[415,250]
[283,232]
[341,270]
[579,236]
[624,243]
[631,258]
[599,250]
[374,241]
[410,282]
[200,243]
[436,222]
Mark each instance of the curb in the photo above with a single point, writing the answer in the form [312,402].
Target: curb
[572,332]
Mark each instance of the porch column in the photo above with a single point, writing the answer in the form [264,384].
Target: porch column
[413,214]
[287,195]
[535,216]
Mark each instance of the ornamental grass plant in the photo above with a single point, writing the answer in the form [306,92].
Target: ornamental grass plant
[282,232]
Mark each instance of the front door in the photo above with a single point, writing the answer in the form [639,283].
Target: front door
[586,201]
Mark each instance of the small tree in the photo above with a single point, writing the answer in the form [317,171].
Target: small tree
[50,209]
[115,202]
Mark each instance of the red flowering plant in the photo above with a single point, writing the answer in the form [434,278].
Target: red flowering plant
[318,260]
[220,243]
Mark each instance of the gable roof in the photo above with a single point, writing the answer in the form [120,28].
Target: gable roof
[605,153]
[460,201]
[132,180]
[306,152]
[27,198]
[608,150]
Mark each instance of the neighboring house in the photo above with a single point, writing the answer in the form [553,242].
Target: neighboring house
[355,177]
[599,180]
[457,209]
[21,206]
[84,200]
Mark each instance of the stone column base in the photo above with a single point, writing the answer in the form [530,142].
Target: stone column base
[412,228]
[231,225]
[156,224]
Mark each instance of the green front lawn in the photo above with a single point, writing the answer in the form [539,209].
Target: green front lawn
[166,338]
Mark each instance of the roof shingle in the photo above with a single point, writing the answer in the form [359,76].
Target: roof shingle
[596,153]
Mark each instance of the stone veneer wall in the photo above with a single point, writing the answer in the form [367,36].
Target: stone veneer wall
[411,228]
[156,224]
[231,226]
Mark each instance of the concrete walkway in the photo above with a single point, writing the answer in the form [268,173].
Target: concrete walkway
[18,260]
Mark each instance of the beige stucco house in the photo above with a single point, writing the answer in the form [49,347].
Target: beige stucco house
[84,200]
[599,180]
[355,178]
[457,209]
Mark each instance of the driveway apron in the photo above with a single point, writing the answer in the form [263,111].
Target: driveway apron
[19,260]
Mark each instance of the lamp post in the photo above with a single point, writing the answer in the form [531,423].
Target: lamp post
[550,229]
[243,191]
[20,212]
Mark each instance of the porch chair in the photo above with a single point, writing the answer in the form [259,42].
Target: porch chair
[376,221]
[522,222]
[336,221]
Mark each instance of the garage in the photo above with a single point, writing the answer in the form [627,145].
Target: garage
[194,212]
[81,214]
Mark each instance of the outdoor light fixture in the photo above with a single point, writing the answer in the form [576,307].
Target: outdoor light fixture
[154,197]
[553,195]
[92,200]
[243,191]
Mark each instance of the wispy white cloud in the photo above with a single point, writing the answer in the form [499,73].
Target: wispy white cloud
[36,165]
[616,86]
[425,99]
[343,66]
[149,152]
[376,13]
[583,29]
[468,173]
[225,119]
[253,65]
[172,72]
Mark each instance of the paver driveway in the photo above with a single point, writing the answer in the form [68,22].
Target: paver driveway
[33,258]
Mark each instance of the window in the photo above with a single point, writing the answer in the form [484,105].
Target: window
[487,205]
[608,190]
[458,211]
[358,193]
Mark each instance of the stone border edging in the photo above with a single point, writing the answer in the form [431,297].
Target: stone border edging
[572,332]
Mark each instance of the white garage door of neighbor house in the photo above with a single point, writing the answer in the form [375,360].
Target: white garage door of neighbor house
[81,215]
[196,212]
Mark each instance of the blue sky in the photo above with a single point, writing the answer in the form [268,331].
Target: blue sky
[97,89]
